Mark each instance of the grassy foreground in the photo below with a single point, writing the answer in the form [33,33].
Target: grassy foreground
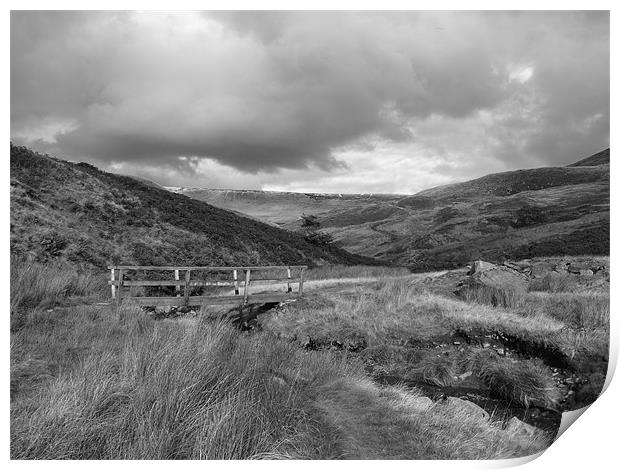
[85,386]
[88,385]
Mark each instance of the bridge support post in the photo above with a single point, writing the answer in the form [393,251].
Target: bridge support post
[177,287]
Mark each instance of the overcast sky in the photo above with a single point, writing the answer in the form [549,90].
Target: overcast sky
[311,101]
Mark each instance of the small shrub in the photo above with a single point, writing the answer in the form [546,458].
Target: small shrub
[319,238]
[528,216]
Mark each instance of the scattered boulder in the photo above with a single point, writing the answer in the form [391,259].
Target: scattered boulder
[576,268]
[585,269]
[541,268]
[512,265]
[464,406]
[480,266]
[485,274]
[523,266]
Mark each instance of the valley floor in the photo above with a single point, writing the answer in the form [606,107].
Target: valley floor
[369,365]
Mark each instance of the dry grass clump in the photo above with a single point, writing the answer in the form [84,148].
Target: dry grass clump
[475,318]
[437,370]
[505,296]
[583,310]
[377,313]
[528,383]
[554,282]
[37,286]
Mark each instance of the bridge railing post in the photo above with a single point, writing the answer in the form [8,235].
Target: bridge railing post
[186,292]
[120,287]
[113,286]
[177,288]
[288,282]
[236,281]
[301,282]
[246,287]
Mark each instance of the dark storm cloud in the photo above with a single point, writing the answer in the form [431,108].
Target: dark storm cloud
[264,90]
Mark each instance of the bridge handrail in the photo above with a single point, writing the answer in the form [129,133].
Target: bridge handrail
[117,283]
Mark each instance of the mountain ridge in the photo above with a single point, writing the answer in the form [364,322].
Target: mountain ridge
[518,213]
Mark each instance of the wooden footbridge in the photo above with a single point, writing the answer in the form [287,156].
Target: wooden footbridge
[205,285]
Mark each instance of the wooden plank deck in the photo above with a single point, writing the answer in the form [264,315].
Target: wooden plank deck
[213,300]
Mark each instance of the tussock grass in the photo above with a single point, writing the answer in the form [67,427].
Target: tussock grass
[585,316]
[169,391]
[474,318]
[397,309]
[36,286]
[91,387]
[583,310]
[506,297]
[554,282]
[373,314]
[528,383]
[438,371]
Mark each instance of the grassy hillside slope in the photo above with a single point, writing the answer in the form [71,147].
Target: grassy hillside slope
[515,214]
[284,208]
[75,212]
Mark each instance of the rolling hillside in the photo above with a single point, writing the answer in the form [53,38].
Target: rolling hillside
[515,214]
[283,208]
[75,212]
